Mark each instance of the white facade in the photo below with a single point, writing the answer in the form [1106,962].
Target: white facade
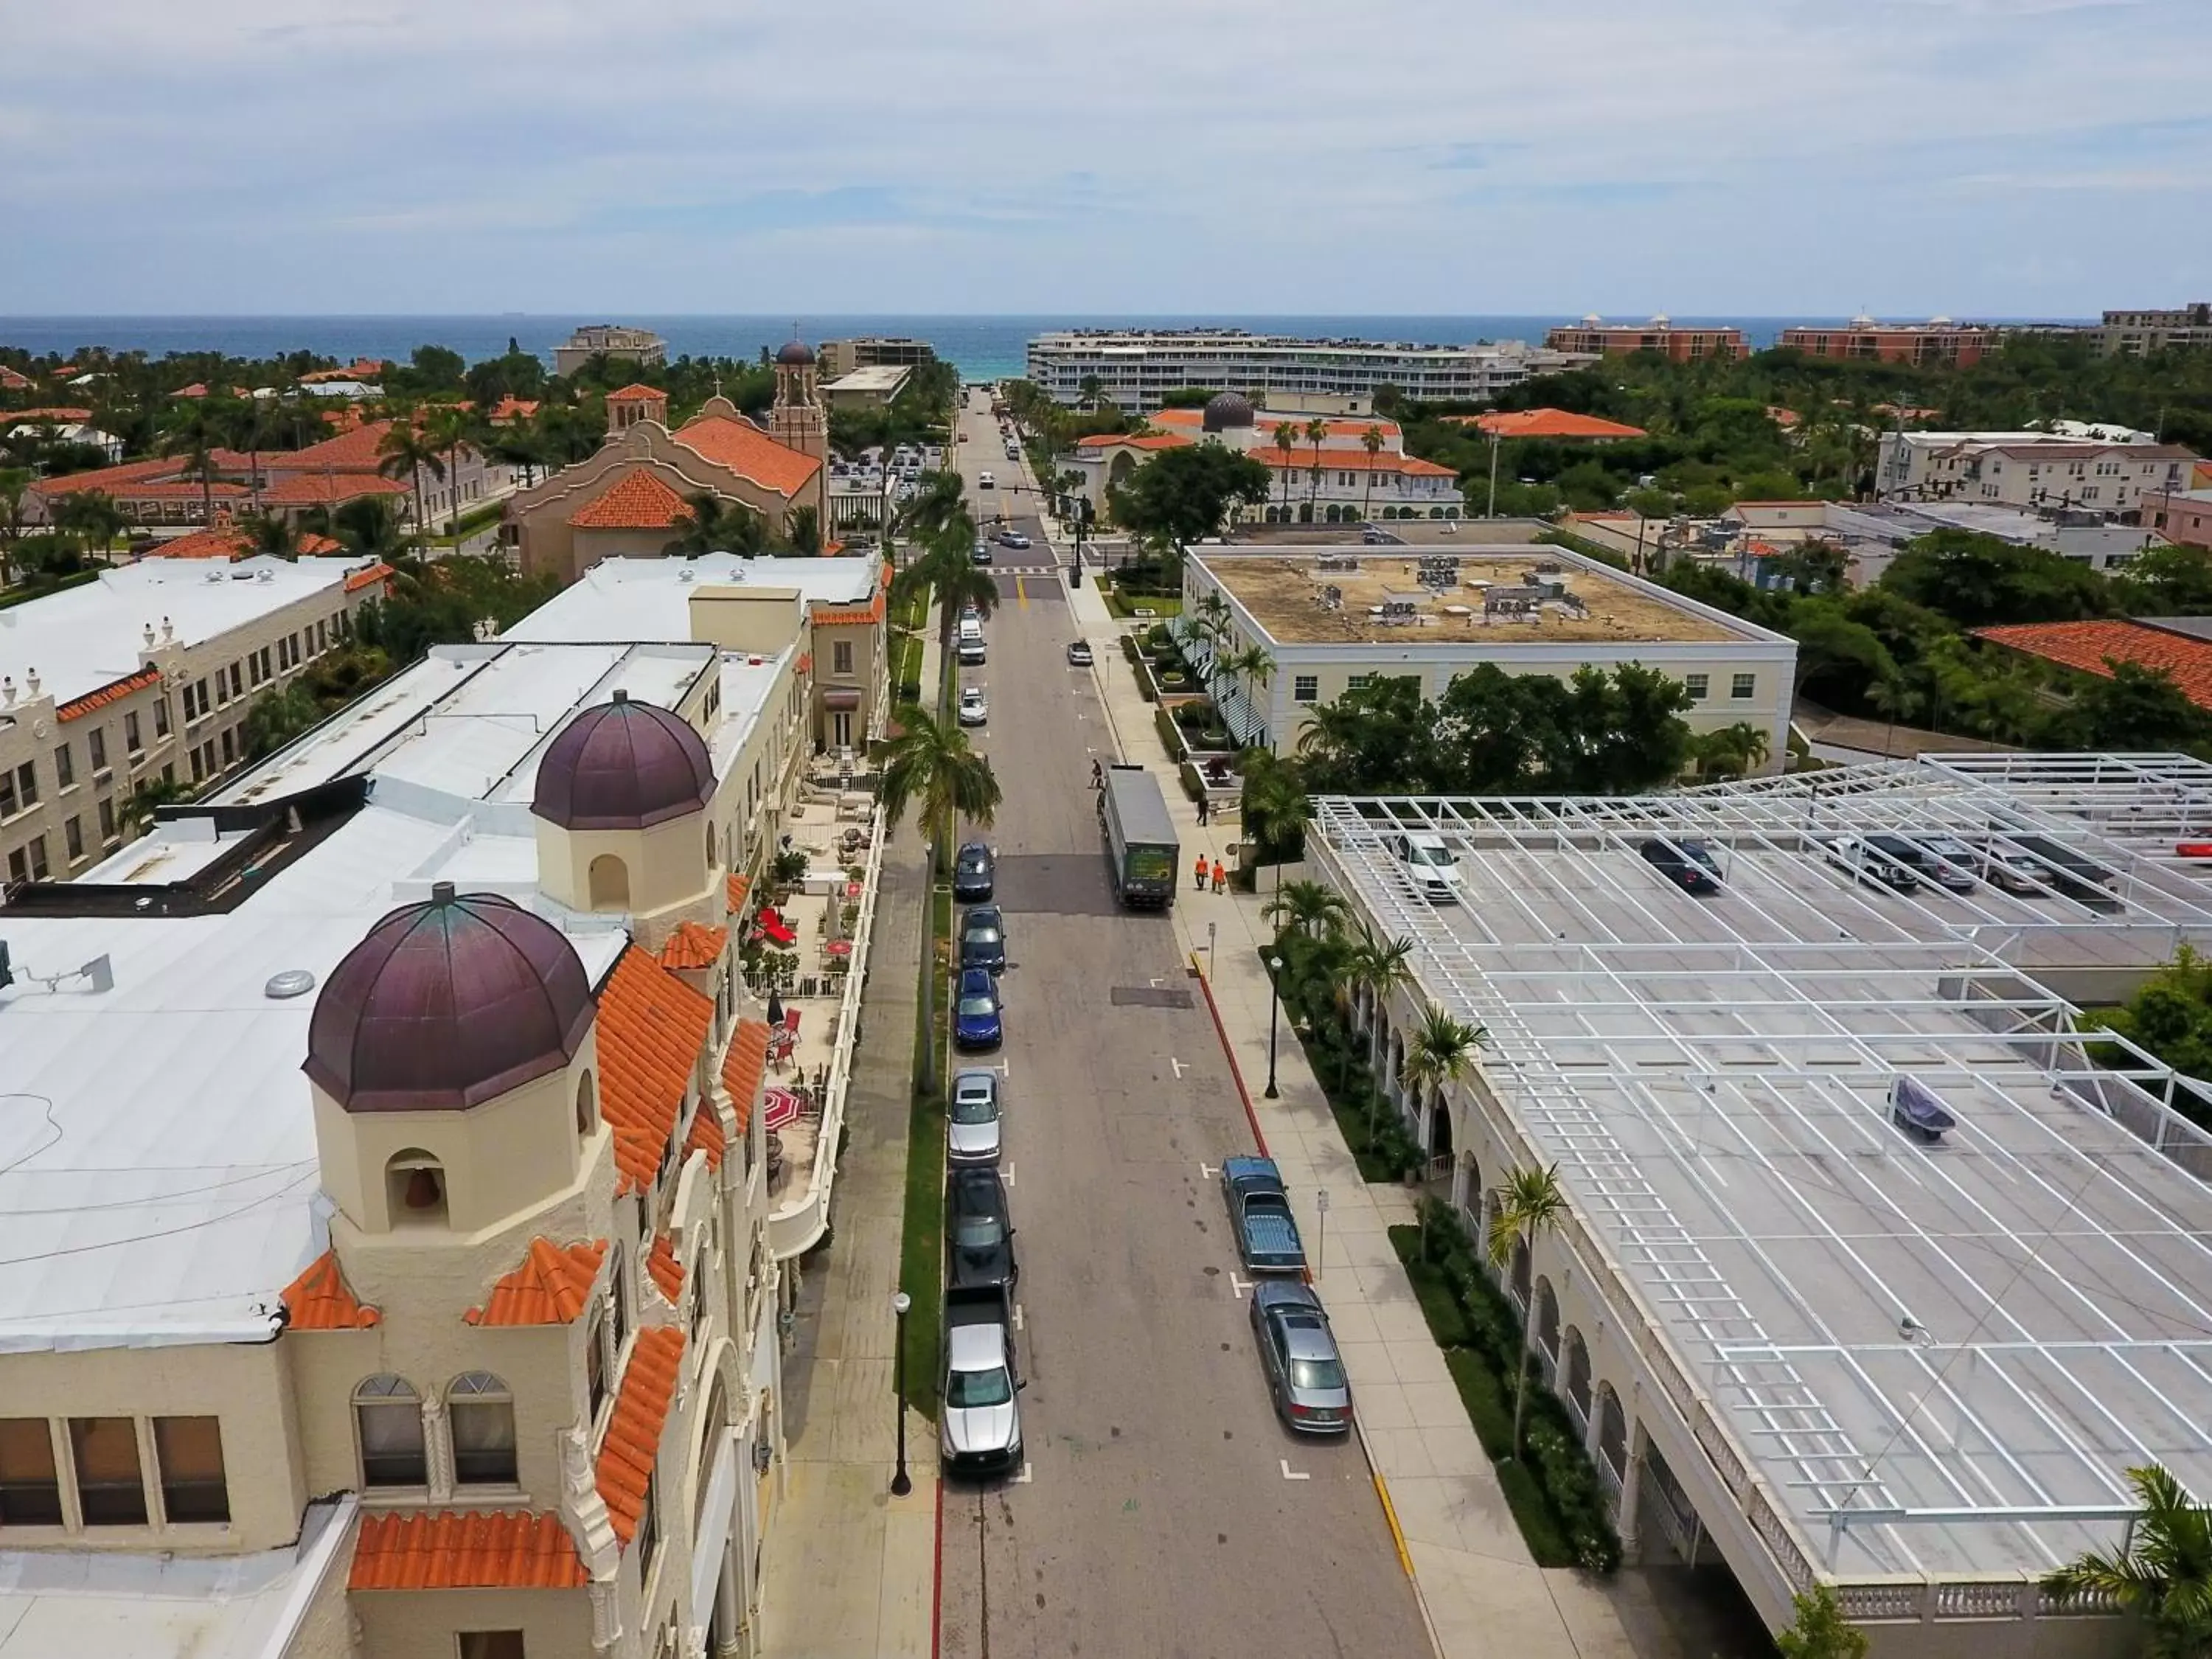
[2099,470]
[1138,367]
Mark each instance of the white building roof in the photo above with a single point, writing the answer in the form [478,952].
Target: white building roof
[86,637]
[883,378]
[650,598]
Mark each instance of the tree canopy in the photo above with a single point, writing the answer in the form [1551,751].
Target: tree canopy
[1183,495]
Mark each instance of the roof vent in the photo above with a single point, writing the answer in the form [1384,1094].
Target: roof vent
[621,696]
[686,575]
[292,983]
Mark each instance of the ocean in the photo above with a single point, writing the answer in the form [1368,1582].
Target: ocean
[984,348]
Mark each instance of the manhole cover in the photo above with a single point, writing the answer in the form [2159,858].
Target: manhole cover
[1149,996]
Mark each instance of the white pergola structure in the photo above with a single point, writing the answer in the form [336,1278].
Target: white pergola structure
[1917,1371]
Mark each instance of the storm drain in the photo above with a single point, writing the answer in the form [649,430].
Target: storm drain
[1149,996]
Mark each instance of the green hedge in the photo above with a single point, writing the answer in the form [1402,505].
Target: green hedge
[1165,723]
[25,595]
[1146,688]
[1193,784]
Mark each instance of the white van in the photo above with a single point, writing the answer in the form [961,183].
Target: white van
[985,481]
[970,643]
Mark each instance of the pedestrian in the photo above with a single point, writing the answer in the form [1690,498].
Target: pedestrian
[1199,870]
[1201,812]
[1098,777]
[1220,875]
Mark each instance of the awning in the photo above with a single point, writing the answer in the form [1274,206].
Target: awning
[841,697]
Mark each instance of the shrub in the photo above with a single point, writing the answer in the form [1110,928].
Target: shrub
[1194,715]
[1487,1407]
[1157,638]
[1193,784]
[1439,1305]
[1540,1530]
[1171,739]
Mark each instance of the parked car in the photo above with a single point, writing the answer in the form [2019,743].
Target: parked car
[1013,538]
[1298,1351]
[971,1132]
[1870,864]
[1429,864]
[984,939]
[1948,862]
[975,1018]
[985,481]
[980,1422]
[1690,865]
[2070,873]
[974,710]
[1078,654]
[982,551]
[974,874]
[979,1236]
[1373,538]
[1260,1215]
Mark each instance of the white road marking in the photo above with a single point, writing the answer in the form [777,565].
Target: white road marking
[1289,1474]
[1177,1064]
[1240,1285]
[1207,1171]
[1018,1315]
[1157,982]
[1023,1478]
[1007,1175]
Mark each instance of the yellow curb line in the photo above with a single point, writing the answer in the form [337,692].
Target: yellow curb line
[1390,1515]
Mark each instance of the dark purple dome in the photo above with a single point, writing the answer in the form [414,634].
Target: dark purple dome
[623,765]
[1227,410]
[796,354]
[445,1004]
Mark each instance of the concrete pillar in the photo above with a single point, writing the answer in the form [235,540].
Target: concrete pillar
[1596,1416]
[732,1628]
[1632,1488]
[1459,1181]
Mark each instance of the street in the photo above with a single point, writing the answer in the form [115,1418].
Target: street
[1164,1509]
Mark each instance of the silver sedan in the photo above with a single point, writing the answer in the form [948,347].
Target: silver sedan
[1298,1351]
[971,1131]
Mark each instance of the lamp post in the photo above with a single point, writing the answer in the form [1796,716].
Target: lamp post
[899,1485]
[1274,1002]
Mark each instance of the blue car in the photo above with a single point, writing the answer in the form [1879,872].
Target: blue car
[975,1022]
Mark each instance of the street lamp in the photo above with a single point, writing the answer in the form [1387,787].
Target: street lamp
[899,1485]
[1274,1002]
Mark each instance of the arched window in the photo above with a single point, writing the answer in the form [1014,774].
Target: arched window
[619,1284]
[1578,1373]
[1547,1321]
[482,1413]
[1521,1270]
[710,846]
[588,1114]
[610,882]
[388,1413]
[414,1187]
[1612,1432]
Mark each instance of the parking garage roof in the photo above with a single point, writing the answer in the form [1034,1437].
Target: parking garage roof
[1711,1076]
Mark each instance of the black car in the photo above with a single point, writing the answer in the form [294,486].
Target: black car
[983,938]
[1688,863]
[979,1236]
[974,873]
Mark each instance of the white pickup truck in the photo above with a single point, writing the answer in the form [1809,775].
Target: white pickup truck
[980,1420]
[1429,863]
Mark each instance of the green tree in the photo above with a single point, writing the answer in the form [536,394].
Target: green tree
[1286,439]
[1731,751]
[1252,667]
[1371,441]
[2136,709]
[2168,581]
[1092,392]
[713,524]
[2164,1574]
[15,484]
[1183,495]
[1439,1051]
[1276,811]
[947,571]
[1979,581]
[1376,968]
[1375,738]
[806,531]
[147,797]
[1819,1629]
[92,515]
[1526,1204]
[406,453]
[448,430]
[278,715]
[271,534]
[194,430]
[1310,907]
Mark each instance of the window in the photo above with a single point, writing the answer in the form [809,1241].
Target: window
[19,867]
[39,868]
[482,1413]
[161,717]
[96,741]
[26,783]
[491,1645]
[65,767]
[587,1118]
[133,737]
[1357,681]
[619,1283]
[110,1490]
[237,682]
[389,1414]
[1743,685]
[1698,685]
[106,809]
[189,1450]
[841,657]
[30,1488]
[648,1527]
[227,755]
[8,805]
[73,839]
[255,672]
[1305,688]
[595,1368]
[414,1187]
[221,688]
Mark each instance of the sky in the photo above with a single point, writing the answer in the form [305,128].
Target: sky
[1991,158]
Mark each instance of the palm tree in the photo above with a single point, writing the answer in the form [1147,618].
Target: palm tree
[924,516]
[1310,907]
[407,454]
[932,766]
[138,806]
[1371,441]
[448,429]
[1316,430]
[93,515]
[2163,1576]
[1286,439]
[1251,667]
[15,484]
[947,570]
[1276,811]
[1890,696]
[1092,390]
[270,533]
[1439,1052]
[1526,1203]
[1376,967]
[711,524]
[194,430]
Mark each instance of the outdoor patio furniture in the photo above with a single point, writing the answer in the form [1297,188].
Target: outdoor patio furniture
[778,1108]
[775,929]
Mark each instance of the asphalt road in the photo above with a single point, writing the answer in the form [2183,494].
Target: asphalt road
[1163,1511]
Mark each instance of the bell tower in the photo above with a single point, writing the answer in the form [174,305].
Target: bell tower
[796,420]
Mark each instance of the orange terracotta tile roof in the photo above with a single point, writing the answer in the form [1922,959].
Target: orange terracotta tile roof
[1149,441]
[742,1066]
[114,692]
[64,415]
[2093,646]
[120,480]
[219,543]
[748,452]
[694,945]
[734,890]
[12,381]
[327,489]
[312,546]
[806,664]
[1351,460]
[667,1272]
[841,616]
[638,393]
[379,572]
[319,1300]
[651,1026]
[633,1438]
[465,1549]
[638,500]
[1547,423]
[349,452]
[706,1136]
[551,1287]
[508,409]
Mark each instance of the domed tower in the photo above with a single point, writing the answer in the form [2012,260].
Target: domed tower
[1227,412]
[797,420]
[625,808]
[450,1053]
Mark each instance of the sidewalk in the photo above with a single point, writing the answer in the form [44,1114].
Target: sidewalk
[849,1571]
[1483,1596]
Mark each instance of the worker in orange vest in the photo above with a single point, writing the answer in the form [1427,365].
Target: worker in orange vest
[1220,875]
[1199,870]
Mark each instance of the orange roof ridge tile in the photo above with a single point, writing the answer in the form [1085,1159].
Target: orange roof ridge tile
[839,616]
[639,499]
[2093,646]
[632,1444]
[667,1272]
[465,1549]
[694,945]
[636,393]
[706,1135]
[651,1028]
[114,690]
[734,890]
[742,1067]
[551,1287]
[320,1300]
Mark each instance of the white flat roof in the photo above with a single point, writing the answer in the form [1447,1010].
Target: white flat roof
[877,377]
[650,599]
[86,637]
[1710,1075]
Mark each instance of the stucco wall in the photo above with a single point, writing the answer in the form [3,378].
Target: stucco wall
[426,1623]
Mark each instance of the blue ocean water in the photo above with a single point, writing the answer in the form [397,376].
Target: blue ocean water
[983,347]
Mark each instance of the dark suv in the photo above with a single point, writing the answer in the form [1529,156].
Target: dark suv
[979,1236]
[1688,863]
[974,874]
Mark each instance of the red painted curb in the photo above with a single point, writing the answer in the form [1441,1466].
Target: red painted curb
[937,1576]
[1230,1054]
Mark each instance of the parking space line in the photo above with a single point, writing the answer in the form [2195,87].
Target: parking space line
[1018,1315]
[1240,1285]
[1023,1478]
[1006,1173]
[1177,1064]
[1290,1473]
[1207,1171]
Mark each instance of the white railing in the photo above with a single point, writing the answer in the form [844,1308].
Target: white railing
[798,1226]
